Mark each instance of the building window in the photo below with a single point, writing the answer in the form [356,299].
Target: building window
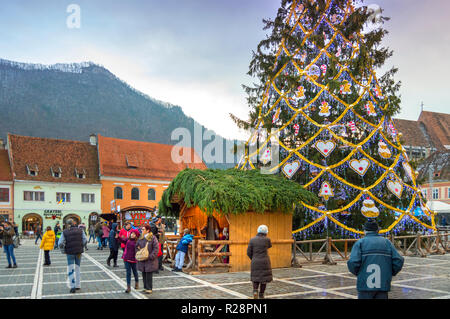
[435,193]
[135,193]
[81,174]
[118,193]
[448,192]
[151,194]
[425,193]
[4,195]
[56,173]
[88,198]
[65,197]
[32,171]
[33,196]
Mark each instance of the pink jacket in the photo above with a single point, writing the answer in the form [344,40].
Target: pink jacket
[124,233]
[105,231]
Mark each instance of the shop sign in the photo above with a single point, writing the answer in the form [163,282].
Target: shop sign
[52,214]
[138,218]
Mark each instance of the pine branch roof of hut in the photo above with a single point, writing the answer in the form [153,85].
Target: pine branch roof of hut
[232,191]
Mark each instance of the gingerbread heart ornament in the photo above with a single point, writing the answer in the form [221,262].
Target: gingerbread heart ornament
[325,148]
[396,188]
[360,166]
[291,168]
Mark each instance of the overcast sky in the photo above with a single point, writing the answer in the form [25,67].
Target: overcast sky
[195,53]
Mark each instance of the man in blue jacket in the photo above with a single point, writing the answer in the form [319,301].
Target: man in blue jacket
[374,260]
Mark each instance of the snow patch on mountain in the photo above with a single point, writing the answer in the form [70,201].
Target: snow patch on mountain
[62,67]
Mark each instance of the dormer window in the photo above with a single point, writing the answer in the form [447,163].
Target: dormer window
[80,173]
[32,170]
[131,161]
[56,172]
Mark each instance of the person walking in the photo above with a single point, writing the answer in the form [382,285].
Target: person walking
[129,258]
[261,269]
[162,239]
[374,260]
[105,235]
[99,234]
[150,265]
[91,233]
[182,249]
[17,237]
[57,230]
[47,244]
[72,241]
[113,245]
[82,226]
[124,234]
[38,233]
[7,234]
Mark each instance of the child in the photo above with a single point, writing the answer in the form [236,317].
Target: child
[47,243]
[129,258]
[182,249]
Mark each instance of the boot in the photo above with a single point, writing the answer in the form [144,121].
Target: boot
[115,264]
[255,294]
[108,262]
[128,289]
[261,295]
[136,285]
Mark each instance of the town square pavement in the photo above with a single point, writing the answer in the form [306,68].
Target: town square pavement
[421,278]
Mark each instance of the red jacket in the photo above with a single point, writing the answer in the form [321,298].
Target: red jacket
[124,233]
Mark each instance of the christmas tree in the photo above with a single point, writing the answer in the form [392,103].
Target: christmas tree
[318,96]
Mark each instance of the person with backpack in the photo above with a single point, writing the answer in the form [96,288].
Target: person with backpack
[182,249]
[72,242]
[129,258]
[47,244]
[374,260]
[147,249]
[7,234]
[113,245]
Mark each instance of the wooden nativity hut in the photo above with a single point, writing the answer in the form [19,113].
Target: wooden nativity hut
[207,201]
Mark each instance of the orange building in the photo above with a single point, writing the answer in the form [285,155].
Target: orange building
[135,174]
[6,186]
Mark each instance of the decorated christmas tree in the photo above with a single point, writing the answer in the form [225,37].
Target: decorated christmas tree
[319,99]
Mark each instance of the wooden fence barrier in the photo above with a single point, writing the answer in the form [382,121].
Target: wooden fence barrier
[409,245]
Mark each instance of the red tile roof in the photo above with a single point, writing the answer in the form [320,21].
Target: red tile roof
[48,153]
[5,168]
[438,127]
[118,158]
[412,133]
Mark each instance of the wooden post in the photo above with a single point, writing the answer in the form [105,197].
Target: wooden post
[294,255]
[328,259]
[345,249]
[310,251]
[419,246]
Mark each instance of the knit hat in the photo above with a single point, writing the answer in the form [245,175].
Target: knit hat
[371,225]
[136,232]
[262,229]
[154,219]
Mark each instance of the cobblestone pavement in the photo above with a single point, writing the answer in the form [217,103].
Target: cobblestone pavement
[421,278]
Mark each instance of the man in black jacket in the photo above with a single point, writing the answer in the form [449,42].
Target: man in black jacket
[72,241]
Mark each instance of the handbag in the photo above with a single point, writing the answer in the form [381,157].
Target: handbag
[142,254]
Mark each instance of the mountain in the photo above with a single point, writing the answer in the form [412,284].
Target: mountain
[71,101]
